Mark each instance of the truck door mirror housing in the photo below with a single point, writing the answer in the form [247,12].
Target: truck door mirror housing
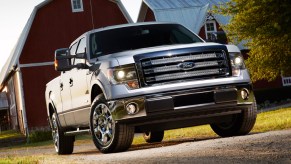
[62,60]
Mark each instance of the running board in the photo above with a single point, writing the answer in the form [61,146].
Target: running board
[77,132]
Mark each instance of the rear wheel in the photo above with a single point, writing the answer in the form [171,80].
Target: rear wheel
[63,144]
[155,136]
[108,136]
[241,124]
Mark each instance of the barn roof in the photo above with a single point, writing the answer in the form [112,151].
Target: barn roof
[172,4]
[192,11]
[12,61]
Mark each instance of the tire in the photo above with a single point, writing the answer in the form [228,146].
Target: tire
[151,137]
[108,136]
[63,144]
[241,124]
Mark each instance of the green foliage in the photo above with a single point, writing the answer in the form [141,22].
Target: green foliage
[38,136]
[265,24]
[10,134]
[19,160]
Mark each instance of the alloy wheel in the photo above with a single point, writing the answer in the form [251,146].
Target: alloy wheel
[103,124]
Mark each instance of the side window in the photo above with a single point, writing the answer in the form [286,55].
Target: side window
[82,46]
[73,51]
[94,48]
[80,50]
[77,5]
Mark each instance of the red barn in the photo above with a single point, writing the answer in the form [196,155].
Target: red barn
[53,24]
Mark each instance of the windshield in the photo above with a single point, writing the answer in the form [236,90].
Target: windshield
[136,37]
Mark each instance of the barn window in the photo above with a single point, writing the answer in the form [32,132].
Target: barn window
[210,30]
[77,5]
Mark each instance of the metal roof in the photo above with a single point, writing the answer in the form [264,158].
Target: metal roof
[3,101]
[191,17]
[190,13]
[156,5]
[170,4]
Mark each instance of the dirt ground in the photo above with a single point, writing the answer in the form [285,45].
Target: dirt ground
[269,147]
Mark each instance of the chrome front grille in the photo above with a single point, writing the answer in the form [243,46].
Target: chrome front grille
[184,67]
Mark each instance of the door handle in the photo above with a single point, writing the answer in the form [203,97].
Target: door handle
[71,82]
[61,86]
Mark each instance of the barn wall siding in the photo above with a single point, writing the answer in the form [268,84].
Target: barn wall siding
[149,16]
[34,81]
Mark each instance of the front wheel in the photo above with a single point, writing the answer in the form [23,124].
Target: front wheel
[241,124]
[108,136]
[63,144]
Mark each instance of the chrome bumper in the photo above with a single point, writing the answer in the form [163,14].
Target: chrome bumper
[190,102]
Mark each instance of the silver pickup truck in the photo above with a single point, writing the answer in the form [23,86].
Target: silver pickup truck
[146,78]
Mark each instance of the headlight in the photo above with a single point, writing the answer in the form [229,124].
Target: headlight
[124,75]
[120,74]
[237,63]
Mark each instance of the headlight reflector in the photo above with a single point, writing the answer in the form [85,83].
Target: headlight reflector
[120,74]
[237,63]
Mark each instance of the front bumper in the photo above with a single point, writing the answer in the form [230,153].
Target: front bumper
[184,104]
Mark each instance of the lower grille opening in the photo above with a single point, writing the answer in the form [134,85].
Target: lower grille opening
[193,99]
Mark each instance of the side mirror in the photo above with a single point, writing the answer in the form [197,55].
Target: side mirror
[62,60]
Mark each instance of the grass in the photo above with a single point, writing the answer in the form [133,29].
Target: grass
[20,160]
[79,140]
[10,134]
[273,120]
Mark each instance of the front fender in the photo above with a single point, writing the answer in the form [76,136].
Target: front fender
[100,85]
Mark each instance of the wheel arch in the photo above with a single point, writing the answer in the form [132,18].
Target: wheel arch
[50,111]
[50,105]
[95,91]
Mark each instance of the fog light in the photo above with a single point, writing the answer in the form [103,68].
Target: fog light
[132,108]
[244,94]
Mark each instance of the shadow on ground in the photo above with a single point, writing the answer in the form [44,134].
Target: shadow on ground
[146,145]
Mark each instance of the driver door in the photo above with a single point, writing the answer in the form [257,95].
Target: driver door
[79,89]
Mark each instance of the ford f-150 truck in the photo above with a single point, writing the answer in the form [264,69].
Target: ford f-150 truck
[146,78]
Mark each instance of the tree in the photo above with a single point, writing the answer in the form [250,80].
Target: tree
[266,25]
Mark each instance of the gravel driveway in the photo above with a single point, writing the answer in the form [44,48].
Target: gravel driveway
[269,147]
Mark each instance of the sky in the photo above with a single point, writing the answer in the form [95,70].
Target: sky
[15,13]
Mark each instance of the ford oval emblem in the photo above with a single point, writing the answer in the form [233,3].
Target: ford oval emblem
[186,65]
